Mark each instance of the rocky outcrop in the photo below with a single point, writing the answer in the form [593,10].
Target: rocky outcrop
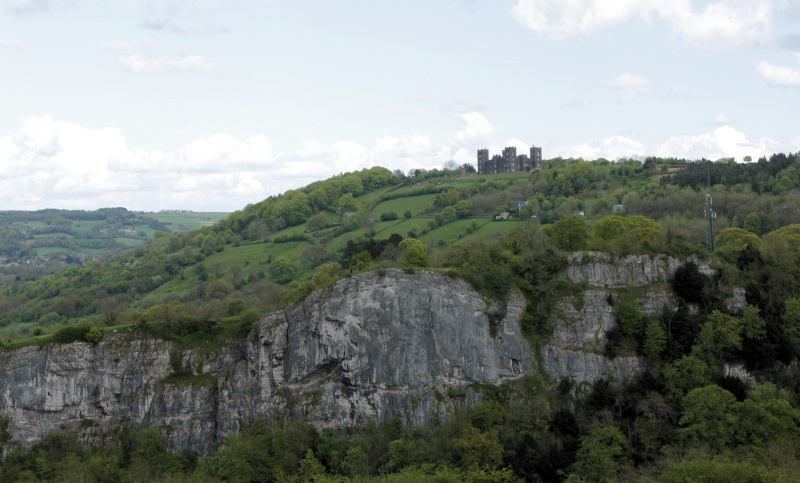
[576,348]
[599,269]
[374,345]
[379,344]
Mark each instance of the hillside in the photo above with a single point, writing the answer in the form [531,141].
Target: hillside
[268,246]
[626,348]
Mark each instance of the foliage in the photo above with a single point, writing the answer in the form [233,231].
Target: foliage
[655,340]
[709,415]
[570,233]
[602,454]
[282,270]
[688,283]
[414,253]
[202,286]
[719,470]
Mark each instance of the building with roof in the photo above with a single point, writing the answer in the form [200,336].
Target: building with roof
[509,161]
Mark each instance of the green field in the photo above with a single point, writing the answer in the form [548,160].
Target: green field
[188,221]
[417,205]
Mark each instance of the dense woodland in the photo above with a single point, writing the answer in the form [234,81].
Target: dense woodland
[683,419]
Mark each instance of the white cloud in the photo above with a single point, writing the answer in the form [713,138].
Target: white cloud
[724,24]
[721,119]
[718,24]
[630,87]
[50,163]
[138,64]
[722,142]
[477,129]
[612,147]
[779,75]
[522,146]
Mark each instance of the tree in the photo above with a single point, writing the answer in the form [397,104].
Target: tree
[684,375]
[720,334]
[781,252]
[360,262]
[219,289]
[316,222]
[326,274]
[463,208]
[688,283]
[629,317]
[319,198]
[296,210]
[477,450]
[709,416]
[736,239]
[609,228]
[351,184]
[347,204]
[570,233]
[752,324]
[719,469]
[752,223]
[580,174]
[655,340]
[767,415]
[315,255]
[449,214]
[603,452]
[414,253]
[111,309]
[236,274]
[282,270]
[310,467]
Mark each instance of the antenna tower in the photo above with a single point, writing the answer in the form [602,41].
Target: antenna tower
[710,214]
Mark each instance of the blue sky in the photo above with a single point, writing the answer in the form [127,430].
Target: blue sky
[212,104]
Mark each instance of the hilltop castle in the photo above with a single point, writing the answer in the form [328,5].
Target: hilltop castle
[509,162]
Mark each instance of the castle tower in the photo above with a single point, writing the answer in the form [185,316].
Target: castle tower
[483,159]
[536,157]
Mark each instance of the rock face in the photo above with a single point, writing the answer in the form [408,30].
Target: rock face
[601,270]
[371,345]
[379,344]
[575,351]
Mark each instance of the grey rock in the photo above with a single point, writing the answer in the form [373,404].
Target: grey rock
[376,345]
[599,269]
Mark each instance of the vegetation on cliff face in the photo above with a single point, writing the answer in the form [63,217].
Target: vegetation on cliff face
[688,417]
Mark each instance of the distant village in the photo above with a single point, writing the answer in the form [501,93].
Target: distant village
[509,161]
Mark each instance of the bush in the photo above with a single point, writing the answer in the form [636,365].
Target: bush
[71,333]
[94,335]
[689,283]
[388,216]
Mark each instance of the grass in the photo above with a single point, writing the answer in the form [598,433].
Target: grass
[187,221]
[417,205]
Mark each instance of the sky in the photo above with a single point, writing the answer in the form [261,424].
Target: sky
[210,105]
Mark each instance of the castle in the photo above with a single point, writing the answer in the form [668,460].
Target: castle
[509,162]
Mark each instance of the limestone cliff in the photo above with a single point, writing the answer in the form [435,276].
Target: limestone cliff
[378,344]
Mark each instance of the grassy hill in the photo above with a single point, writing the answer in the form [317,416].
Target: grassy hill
[237,258]
[684,419]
